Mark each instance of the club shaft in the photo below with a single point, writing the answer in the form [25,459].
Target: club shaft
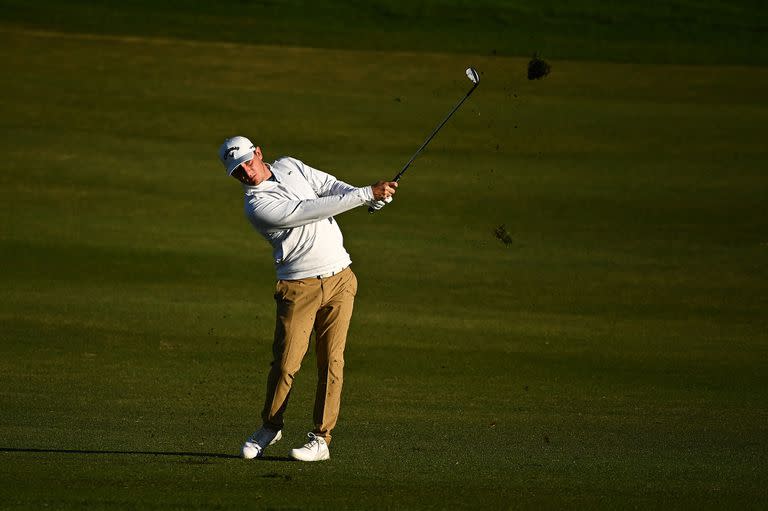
[430,137]
[434,132]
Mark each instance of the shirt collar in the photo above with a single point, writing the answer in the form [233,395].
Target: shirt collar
[273,177]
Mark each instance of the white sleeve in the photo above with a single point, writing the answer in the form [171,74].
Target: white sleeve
[273,214]
[324,184]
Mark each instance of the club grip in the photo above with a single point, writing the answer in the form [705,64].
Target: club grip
[395,179]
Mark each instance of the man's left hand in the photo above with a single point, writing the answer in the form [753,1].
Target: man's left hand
[378,204]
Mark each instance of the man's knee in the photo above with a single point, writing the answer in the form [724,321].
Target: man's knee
[287,369]
[333,367]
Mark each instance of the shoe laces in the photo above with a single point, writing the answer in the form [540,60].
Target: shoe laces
[314,441]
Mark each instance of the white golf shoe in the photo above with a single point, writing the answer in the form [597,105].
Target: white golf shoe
[260,440]
[314,450]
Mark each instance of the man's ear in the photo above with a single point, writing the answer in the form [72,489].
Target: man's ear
[257,152]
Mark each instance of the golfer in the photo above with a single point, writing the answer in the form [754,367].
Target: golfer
[292,205]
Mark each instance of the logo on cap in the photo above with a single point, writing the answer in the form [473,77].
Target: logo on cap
[231,152]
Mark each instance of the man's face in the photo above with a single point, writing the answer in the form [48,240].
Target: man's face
[241,173]
[252,172]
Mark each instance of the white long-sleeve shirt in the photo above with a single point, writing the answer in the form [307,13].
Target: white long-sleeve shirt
[294,212]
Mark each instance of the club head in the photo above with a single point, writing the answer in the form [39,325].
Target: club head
[473,75]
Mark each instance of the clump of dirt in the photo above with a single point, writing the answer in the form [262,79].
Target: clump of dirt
[537,68]
[503,235]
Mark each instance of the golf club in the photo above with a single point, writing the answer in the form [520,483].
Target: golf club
[474,77]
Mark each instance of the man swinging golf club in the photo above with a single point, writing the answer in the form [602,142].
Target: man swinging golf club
[292,205]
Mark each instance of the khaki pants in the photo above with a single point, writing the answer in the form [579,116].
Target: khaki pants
[324,305]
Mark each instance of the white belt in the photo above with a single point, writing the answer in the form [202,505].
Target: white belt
[331,273]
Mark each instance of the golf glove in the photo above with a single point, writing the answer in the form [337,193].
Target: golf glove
[378,204]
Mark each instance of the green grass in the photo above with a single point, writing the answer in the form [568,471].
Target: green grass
[676,31]
[613,355]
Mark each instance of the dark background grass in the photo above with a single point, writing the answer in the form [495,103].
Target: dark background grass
[679,31]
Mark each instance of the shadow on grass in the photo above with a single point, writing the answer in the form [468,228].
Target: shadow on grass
[140,453]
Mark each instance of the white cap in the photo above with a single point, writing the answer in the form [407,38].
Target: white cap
[234,151]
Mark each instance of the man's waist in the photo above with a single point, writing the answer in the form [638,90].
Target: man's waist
[293,272]
[331,273]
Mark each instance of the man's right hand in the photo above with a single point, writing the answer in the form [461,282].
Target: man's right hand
[383,190]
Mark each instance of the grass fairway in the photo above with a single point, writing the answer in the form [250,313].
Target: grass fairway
[612,355]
